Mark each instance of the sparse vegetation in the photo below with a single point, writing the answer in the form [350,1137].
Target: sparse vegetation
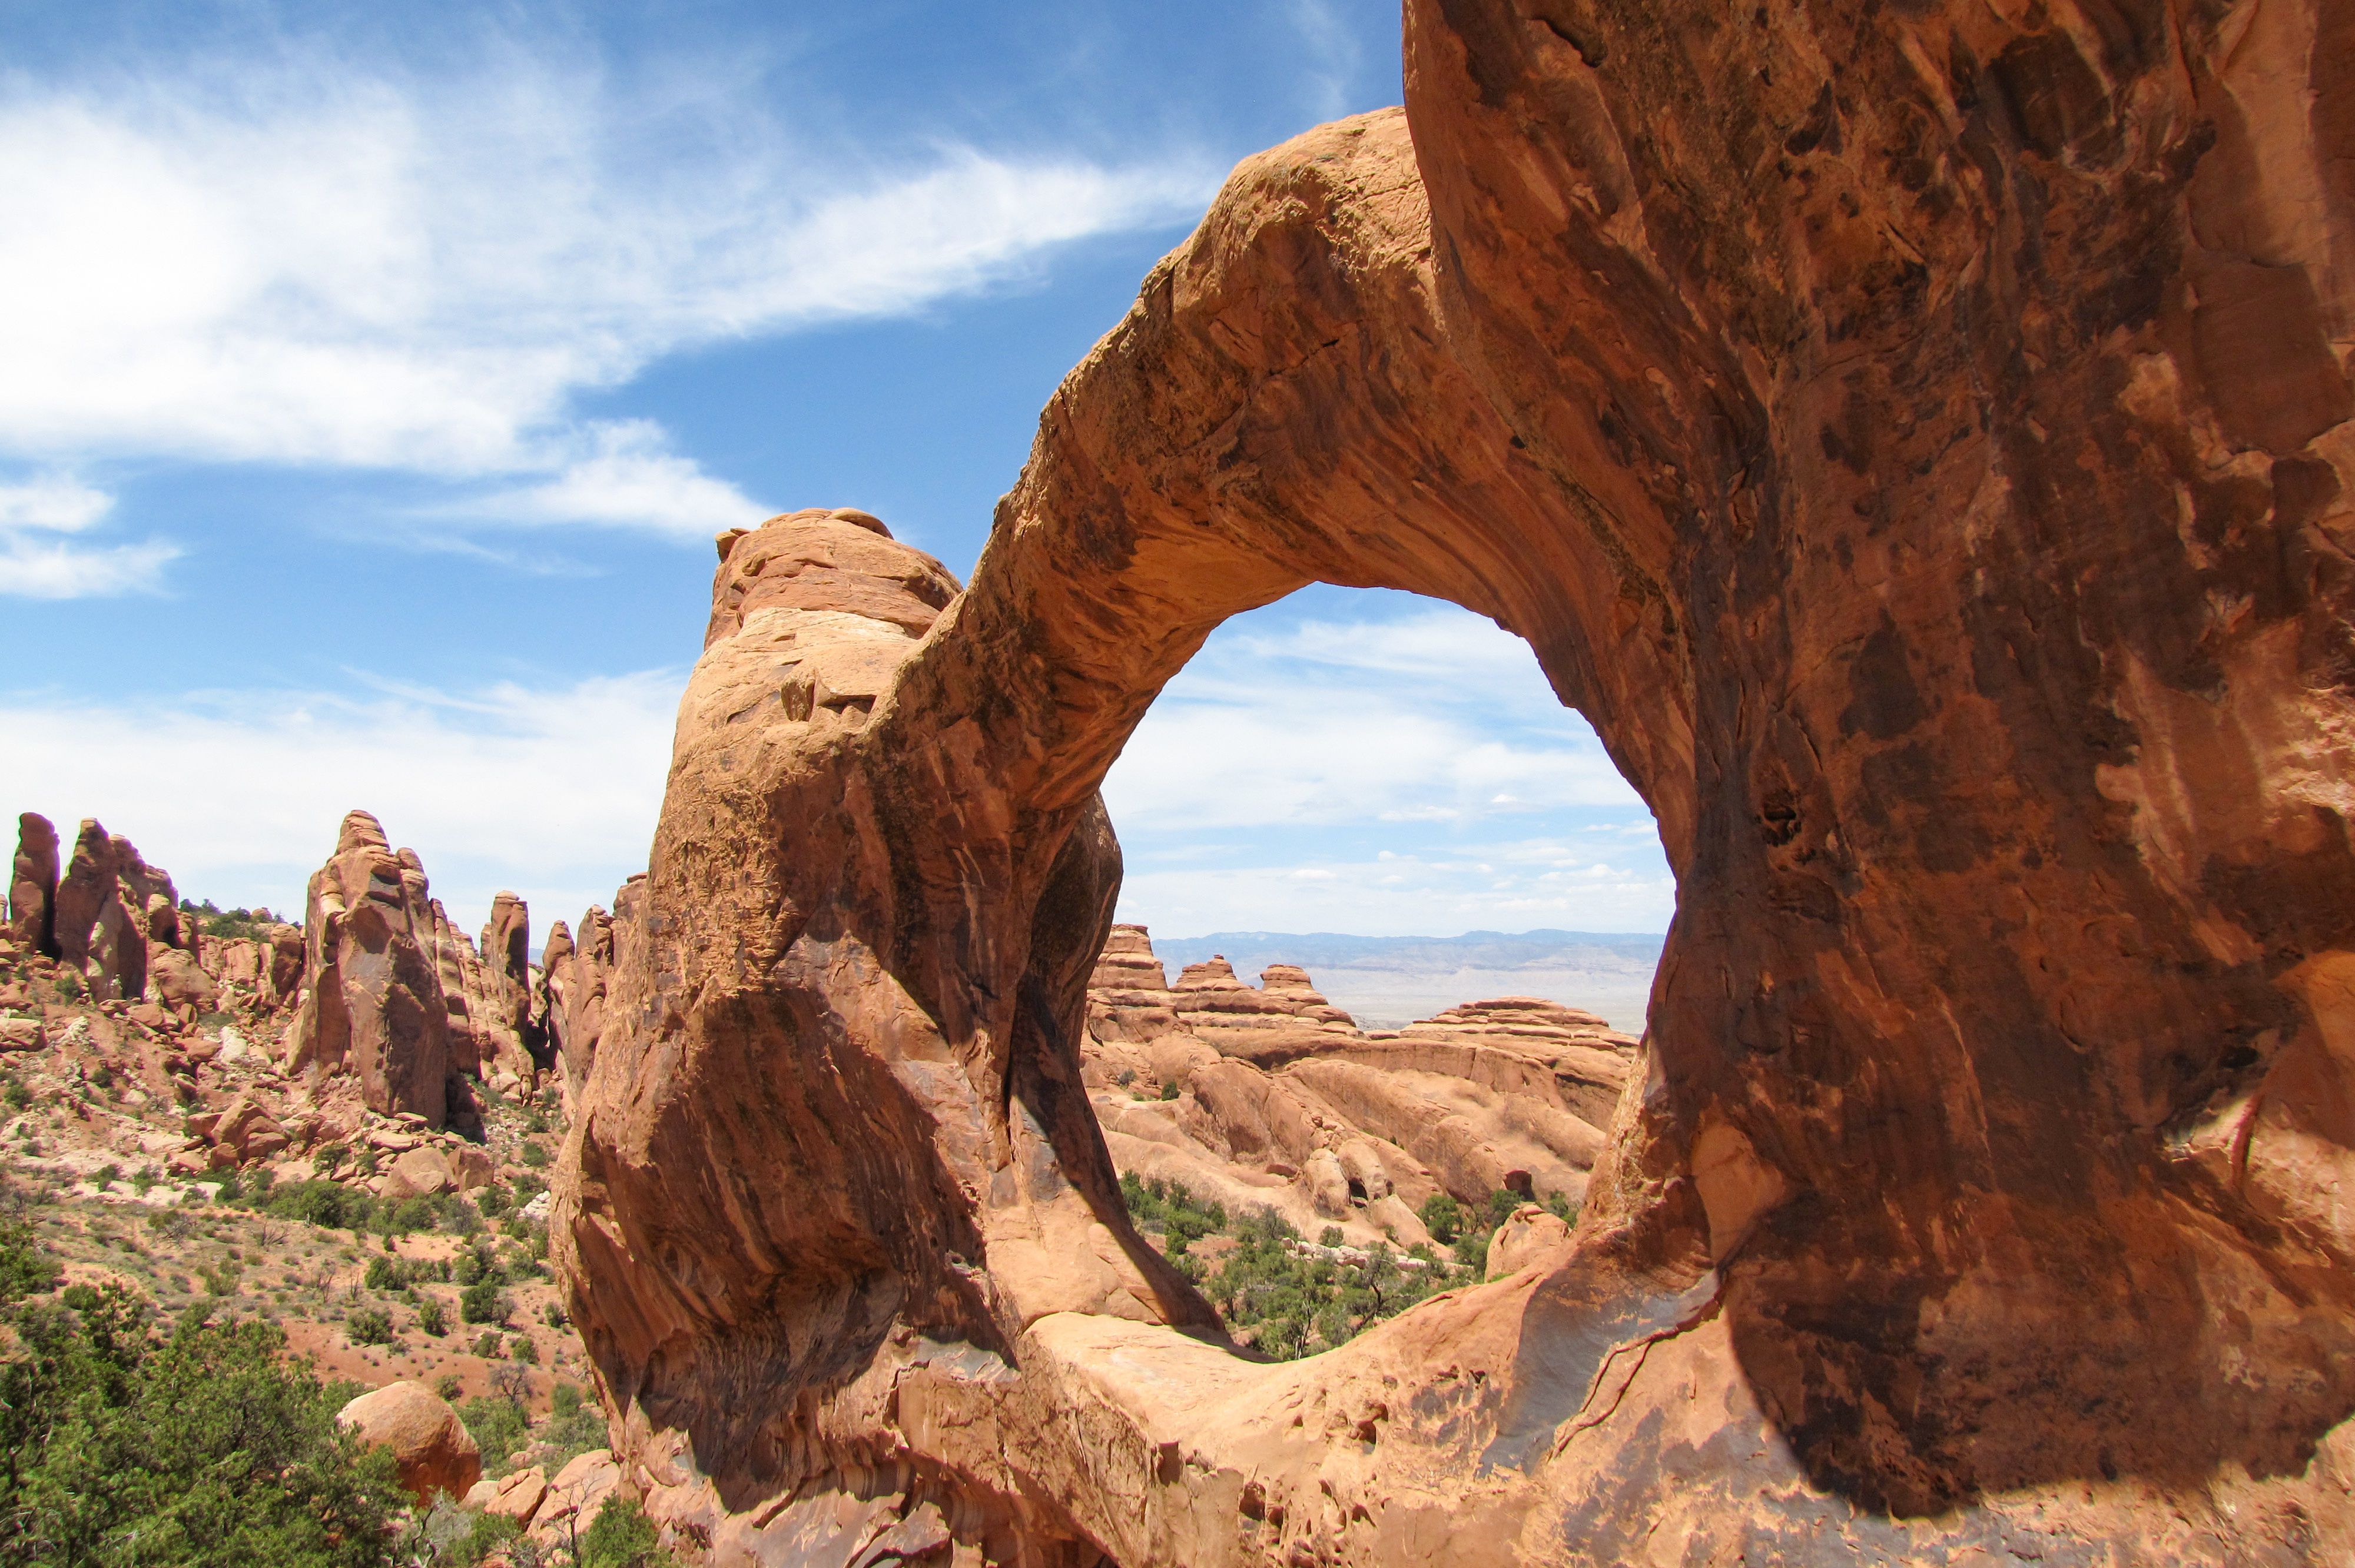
[205,1445]
[1275,1294]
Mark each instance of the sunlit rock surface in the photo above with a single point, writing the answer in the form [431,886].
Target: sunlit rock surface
[1917,437]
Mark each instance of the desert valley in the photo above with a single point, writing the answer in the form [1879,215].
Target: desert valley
[1918,437]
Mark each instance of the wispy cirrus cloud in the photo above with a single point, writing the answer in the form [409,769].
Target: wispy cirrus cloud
[303,261]
[41,559]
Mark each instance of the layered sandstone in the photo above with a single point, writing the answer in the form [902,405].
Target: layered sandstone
[373,1006]
[1270,1096]
[578,971]
[107,909]
[1918,438]
[33,885]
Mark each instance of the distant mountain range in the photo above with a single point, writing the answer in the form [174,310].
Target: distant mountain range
[1386,982]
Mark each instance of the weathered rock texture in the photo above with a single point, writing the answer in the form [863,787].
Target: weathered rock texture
[372,1000]
[1282,1102]
[108,910]
[432,1450]
[33,885]
[1917,436]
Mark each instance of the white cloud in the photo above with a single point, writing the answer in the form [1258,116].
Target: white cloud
[1437,717]
[56,503]
[33,567]
[315,264]
[29,569]
[552,791]
[1377,899]
[627,477]
[1410,774]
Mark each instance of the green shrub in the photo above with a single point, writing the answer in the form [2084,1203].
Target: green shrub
[1472,1253]
[431,1319]
[205,1447]
[1443,1216]
[624,1537]
[486,1345]
[24,1268]
[484,1302]
[498,1425]
[1170,1091]
[574,1424]
[535,1154]
[321,1203]
[369,1326]
[447,1387]
[1283,1303]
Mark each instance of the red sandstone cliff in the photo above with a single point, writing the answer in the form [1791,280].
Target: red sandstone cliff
[1918,437]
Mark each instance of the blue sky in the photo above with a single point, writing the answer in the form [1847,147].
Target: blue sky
[378,375]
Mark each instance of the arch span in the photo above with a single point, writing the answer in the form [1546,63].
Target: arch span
[1948,547]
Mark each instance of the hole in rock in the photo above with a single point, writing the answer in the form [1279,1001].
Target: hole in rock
[1372,861]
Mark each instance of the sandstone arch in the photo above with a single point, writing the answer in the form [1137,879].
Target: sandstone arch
[1919,441]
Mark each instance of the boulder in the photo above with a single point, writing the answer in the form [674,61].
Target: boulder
[517,1496]
[430,1447]
[470,1168]
[1529,1235]
[420,1173]
[243,1130]
[33,885]
[578,1494]
[372,1005]
[1327,1183]
[178,981]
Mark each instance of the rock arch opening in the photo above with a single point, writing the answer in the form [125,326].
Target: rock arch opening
[1978,1175]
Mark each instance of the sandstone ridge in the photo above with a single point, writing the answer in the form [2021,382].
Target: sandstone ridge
[1268,1096]
[1918,438]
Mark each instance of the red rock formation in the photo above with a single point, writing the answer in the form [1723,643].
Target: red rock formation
[1280,1102]
[33,885]
[482,1044]
[506,964]
[433,1451]
[1918,438]
[372,1003]
[577,976]
[110,910]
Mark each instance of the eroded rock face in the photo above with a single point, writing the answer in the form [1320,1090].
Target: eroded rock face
[372,1000]
[506,963]
[1918,438]
[110,910]
[33,885]
[1278,1100]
